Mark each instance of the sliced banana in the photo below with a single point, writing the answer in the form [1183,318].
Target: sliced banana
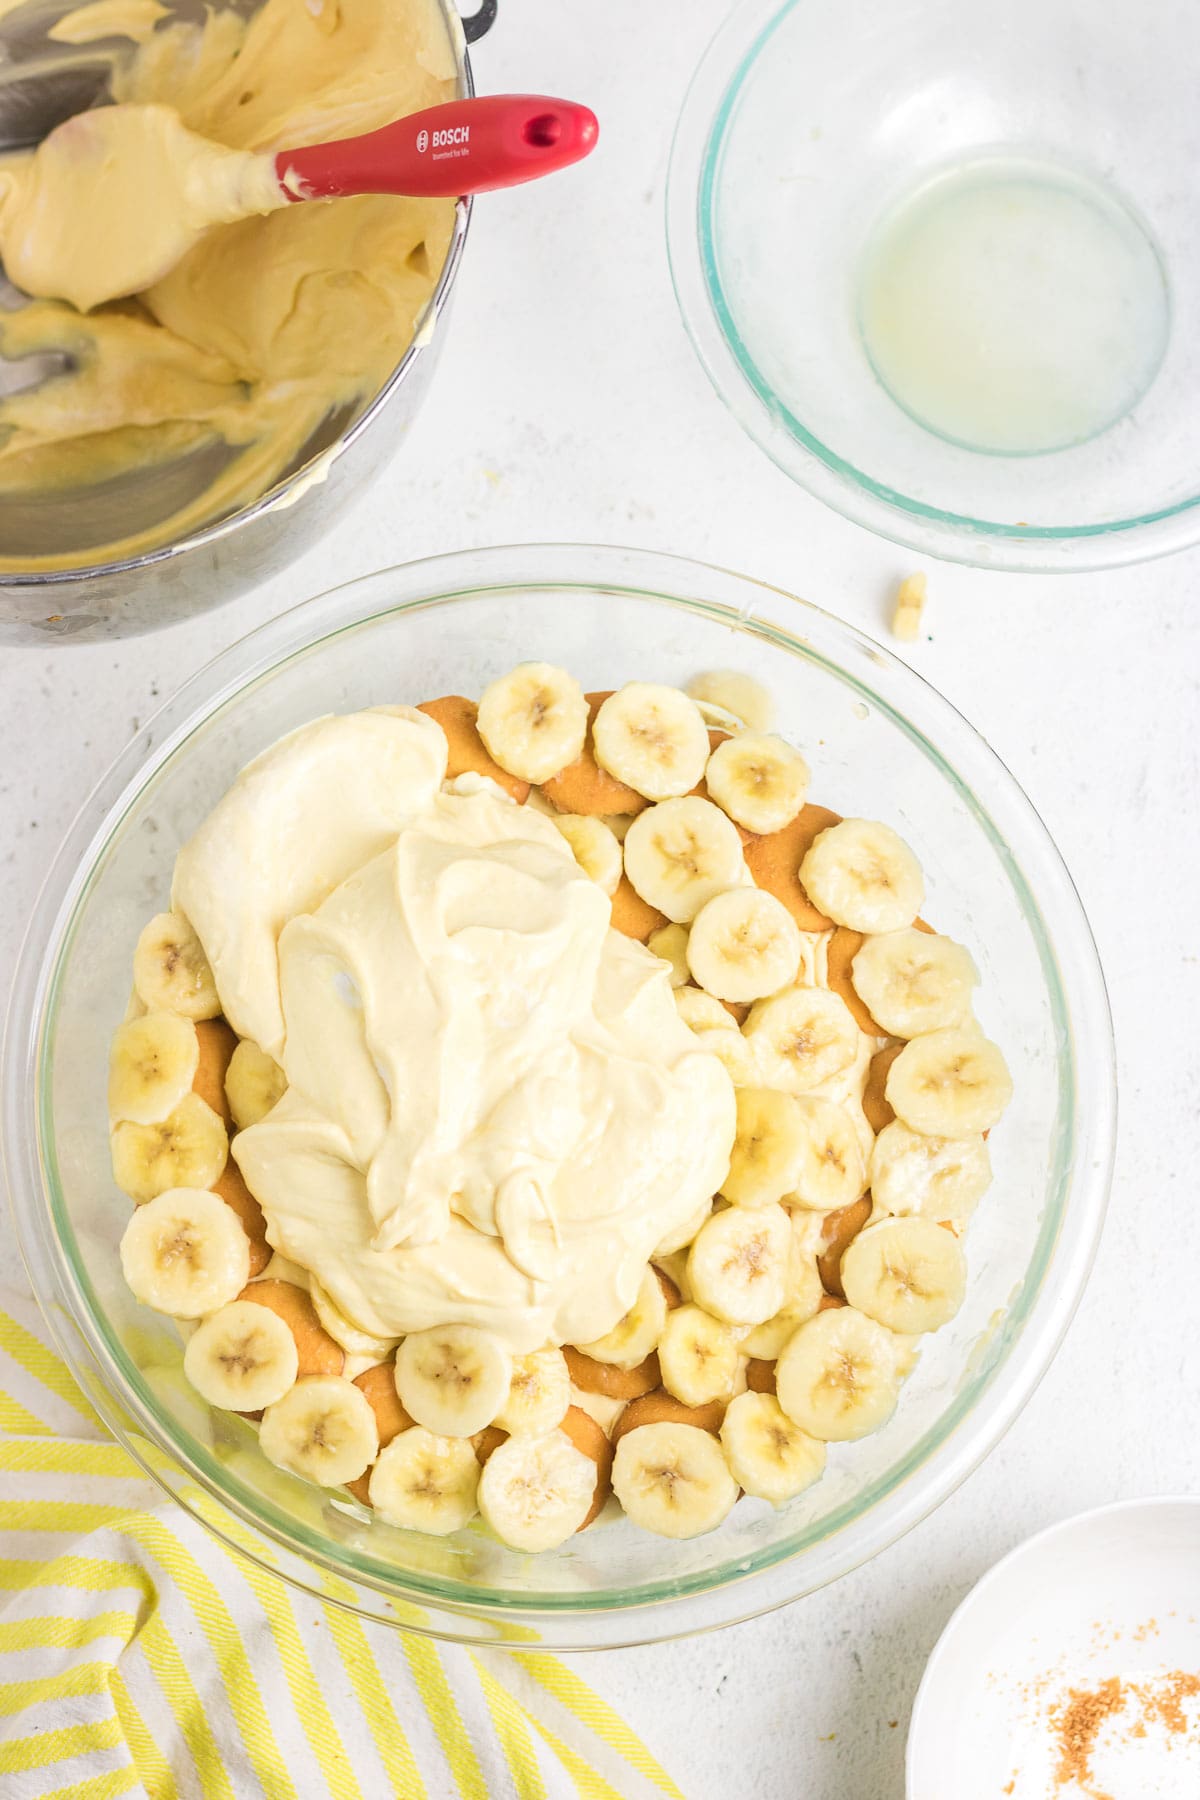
[594,847]
[652,738]
[185,1253]
[907,1274]
[323,1430]
[747,699]
[914,981]
[151,1066]
[770,1142]
[242,1357]
[702,1012]
[940,1178]
[837,1377]
[949,1083]
[680,853]
[453,1379]
[254,1082]
[717,1032]
[353,1339]
[769,1455]
[635,1335]
[743,945]
[171,973]
[670,943]
[536,1492]
[759,780]
[829,1171]
[673,1479]
[862,874]
[801,1038]
[738,1263]
[533,720]
[422,1482]
[538,1396]
[188,1149]
[698,1356]
[802,1298]
[677,1241]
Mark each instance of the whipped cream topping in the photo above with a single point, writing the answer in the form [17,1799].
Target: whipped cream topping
[494,1113]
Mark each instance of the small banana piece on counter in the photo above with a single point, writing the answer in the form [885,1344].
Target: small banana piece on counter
[913,982]
[538,1396]
[864,875]
[254,1082]
[949,1083]
[837,1377]
[151,1066]
[743,945]
[698,1356]
[188,1149]
[768,1148]
[453,1379]
[750,703]
[533,721]
[680,853]
[241,1357]
[670,943]
[323,1430]
[636,1334]
[185,1253]
[801,1038]
[653,739]
[940,1178]
[422,1482]
[828,1170]
[907,1274]
[738,1264]
[673,1479]
[769,1456]
[759,780]
[594,847]
[536,1492]
[171,973]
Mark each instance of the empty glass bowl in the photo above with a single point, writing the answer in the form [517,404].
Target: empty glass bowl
[810,124]
[880,742]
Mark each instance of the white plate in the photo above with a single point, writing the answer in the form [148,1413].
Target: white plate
[1109,1593]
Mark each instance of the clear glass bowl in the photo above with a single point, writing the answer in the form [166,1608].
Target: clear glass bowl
[804,125]
[880,742]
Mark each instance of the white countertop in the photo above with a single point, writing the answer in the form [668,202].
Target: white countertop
[569,405]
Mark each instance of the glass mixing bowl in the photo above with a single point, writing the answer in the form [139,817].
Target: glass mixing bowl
[807,122]
[880,742]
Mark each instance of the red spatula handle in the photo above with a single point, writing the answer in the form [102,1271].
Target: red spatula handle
[464,147]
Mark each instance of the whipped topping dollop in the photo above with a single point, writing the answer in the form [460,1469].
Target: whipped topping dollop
[494,1113]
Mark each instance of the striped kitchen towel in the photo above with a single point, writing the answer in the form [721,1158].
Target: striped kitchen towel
[140,1656]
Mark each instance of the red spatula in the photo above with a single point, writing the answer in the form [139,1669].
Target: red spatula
[112,199]
[463,147]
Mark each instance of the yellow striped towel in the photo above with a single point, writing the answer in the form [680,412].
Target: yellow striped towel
[139,1656]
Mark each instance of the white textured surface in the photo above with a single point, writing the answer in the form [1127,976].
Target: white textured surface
[569,405]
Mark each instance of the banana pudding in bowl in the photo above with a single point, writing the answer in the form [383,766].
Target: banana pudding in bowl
[507,1149]
[578,1122]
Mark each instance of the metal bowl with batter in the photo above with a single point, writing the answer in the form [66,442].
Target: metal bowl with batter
[41,83]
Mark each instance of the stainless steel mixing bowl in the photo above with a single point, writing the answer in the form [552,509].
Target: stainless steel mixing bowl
[41,83]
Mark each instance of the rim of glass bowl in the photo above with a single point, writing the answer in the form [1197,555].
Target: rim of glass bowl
[708,318]
[990,1396]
